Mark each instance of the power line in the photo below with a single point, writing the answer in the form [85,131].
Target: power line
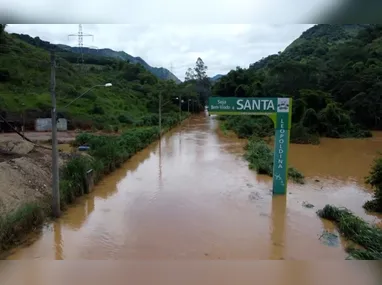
[80,35]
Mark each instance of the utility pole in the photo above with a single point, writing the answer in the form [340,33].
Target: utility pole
[188,105]
[55,183]
[160,114]
[180,107]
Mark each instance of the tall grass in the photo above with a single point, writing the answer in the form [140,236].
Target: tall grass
[24,219]
[260,158]
[369,237]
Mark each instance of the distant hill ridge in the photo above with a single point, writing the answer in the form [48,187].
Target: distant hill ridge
[159,72]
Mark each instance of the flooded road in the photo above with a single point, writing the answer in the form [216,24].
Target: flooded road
[192,197]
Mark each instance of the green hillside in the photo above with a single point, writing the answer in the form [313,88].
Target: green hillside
[333,74]
[160,72]
[25,85]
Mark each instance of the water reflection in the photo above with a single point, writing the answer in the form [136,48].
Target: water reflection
[58,242]
[160,164]
[278,226]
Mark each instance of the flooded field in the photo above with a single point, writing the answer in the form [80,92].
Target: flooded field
[192,197]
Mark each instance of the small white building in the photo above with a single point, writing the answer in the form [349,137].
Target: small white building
[45,124]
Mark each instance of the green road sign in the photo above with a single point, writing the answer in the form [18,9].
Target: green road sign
[280,111]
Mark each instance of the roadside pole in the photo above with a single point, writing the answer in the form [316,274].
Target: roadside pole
[55,183]
[180,107]
[160,114]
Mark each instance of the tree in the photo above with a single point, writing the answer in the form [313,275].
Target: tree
[203,84]
[2,33]
[200,70]
[190,74]
[2,29]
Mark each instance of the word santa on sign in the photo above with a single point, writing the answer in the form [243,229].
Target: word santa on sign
[279,110]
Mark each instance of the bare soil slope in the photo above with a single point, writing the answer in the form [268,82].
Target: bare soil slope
[25,174]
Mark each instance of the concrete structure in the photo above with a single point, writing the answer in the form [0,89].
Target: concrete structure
[45,124]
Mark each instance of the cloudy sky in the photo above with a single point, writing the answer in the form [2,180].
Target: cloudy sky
[221,46]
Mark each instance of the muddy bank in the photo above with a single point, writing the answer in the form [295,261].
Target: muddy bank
[25,188]
[24,174]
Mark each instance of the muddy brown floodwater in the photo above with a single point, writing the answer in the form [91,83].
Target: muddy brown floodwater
[192,197]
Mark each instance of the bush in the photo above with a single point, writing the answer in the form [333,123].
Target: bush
[248,126]
[300,135]
[296,176]
[73,178]
[357,230]
[14,225]
[375,180]
[112,151]
[260,158]
[124,119]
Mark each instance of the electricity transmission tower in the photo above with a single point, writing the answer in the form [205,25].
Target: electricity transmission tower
[80,36]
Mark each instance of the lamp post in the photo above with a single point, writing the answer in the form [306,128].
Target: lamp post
[160,106]
[55,173]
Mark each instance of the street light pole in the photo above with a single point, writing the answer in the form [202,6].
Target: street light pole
[56,207]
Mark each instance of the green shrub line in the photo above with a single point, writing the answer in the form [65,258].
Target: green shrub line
[260,158]
[355,229]
[300,133]
[375,180]
[105,155]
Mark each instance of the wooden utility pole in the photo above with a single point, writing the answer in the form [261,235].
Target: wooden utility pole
[160,114]
[56,209]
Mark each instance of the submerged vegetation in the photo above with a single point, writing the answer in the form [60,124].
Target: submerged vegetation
[369,237]
[260,158]
[375,180]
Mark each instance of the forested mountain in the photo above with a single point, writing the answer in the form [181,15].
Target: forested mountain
[332,72]
[216,77]
[133,98]
[160,72]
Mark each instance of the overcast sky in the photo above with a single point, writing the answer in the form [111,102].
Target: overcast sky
[222,46]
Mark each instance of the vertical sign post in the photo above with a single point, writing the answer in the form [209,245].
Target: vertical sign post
[280,111]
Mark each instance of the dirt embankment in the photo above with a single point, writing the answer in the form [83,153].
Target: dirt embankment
[63,137]
[25,174]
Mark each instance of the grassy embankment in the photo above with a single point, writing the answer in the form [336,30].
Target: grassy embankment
[368,237]
[258,153]
[106,154]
